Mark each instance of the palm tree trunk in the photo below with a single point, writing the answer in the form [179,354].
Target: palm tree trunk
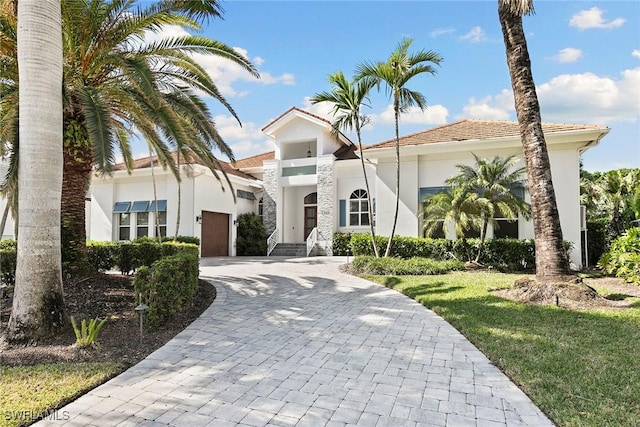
[155,195]
[396,108]
[551,262]
[75,182]
[366,184]
[175,236]
[483,237]
[38,302]
[5,215]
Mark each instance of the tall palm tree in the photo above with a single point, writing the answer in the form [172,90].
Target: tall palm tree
[493,181]
[116,84]
[38,303]
[395,73]
[552,264]
[347,99]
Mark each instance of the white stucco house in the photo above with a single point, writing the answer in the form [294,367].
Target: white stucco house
[312,184]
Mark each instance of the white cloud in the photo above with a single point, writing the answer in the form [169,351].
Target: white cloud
[475,35]
[567,55]
[432,115]
[636,53]
[584,98]
[244,141]
[225,73]
[322,109]
[497,107]
[589,98]
[441,32]
[592,18]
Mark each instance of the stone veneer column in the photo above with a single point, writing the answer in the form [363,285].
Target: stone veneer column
[326,199]
[270,197]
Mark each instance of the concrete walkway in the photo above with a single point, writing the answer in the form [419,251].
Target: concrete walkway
[297,343]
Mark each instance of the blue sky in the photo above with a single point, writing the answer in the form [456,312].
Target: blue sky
[585,57]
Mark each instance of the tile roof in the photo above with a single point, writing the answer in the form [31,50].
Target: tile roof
[475,130]
[145,162]
[254,161]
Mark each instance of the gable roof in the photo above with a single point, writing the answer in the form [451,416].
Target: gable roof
[295,111]
[478,130]
[254,161]
[192,159]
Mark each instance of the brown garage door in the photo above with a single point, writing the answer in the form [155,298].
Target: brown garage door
[215,234]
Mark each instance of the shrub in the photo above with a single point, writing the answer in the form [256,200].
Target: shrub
[87,333]
[166,286]
[145,251]
[623,257]
[102,255]
[182,239]
[597,239]
[252,237]
[342,244]
[398,266]
[8,258]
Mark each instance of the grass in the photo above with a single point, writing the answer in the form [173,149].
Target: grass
[28,392]
[582,368]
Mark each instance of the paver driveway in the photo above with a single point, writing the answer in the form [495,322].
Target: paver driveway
[294,342]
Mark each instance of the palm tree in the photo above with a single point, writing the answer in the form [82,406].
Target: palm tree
[116,84]
[493,181]
[456,206]
[347,99]
[400,67]
[38,303]
[552,264]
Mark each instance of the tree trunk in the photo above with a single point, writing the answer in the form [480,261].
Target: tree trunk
[75,183]
[396,108]
[366,184]
[38,303]
[176,234]
[551,261]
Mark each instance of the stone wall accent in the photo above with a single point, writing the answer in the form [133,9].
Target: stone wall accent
[326,200]
[270,197]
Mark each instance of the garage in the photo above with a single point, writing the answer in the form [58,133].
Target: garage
[215,234]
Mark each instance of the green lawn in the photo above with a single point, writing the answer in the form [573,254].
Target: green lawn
[26,391]
[580,368]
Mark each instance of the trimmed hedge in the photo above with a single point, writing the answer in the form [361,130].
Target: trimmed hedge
[128,257]
[166,286]
[8,259]
[397,266]
[501,254]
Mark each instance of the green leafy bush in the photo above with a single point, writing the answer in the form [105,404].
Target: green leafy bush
[399,266]
[342,244]
[102,255]
[8,258]
[623,257]
[183,239]
[166,286]
[87,333]
[252,237]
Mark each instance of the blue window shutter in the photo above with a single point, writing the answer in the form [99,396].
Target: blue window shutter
[121,207]
[343,213]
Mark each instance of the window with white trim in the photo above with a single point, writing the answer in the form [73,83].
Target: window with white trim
[358,208]
[142,224]
[161,224]
[124,226]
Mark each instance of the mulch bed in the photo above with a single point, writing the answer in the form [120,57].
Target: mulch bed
[104,296]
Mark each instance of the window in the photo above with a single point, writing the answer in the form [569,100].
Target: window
[261,208]
[136,214]
[142,224]
[124,226]
[245,195]
[425,192]
[358,208]
[161,223]
[505,228]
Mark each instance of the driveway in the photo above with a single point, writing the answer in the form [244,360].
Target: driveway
[295,342]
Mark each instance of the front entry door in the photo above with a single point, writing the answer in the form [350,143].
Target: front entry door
[310,219]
